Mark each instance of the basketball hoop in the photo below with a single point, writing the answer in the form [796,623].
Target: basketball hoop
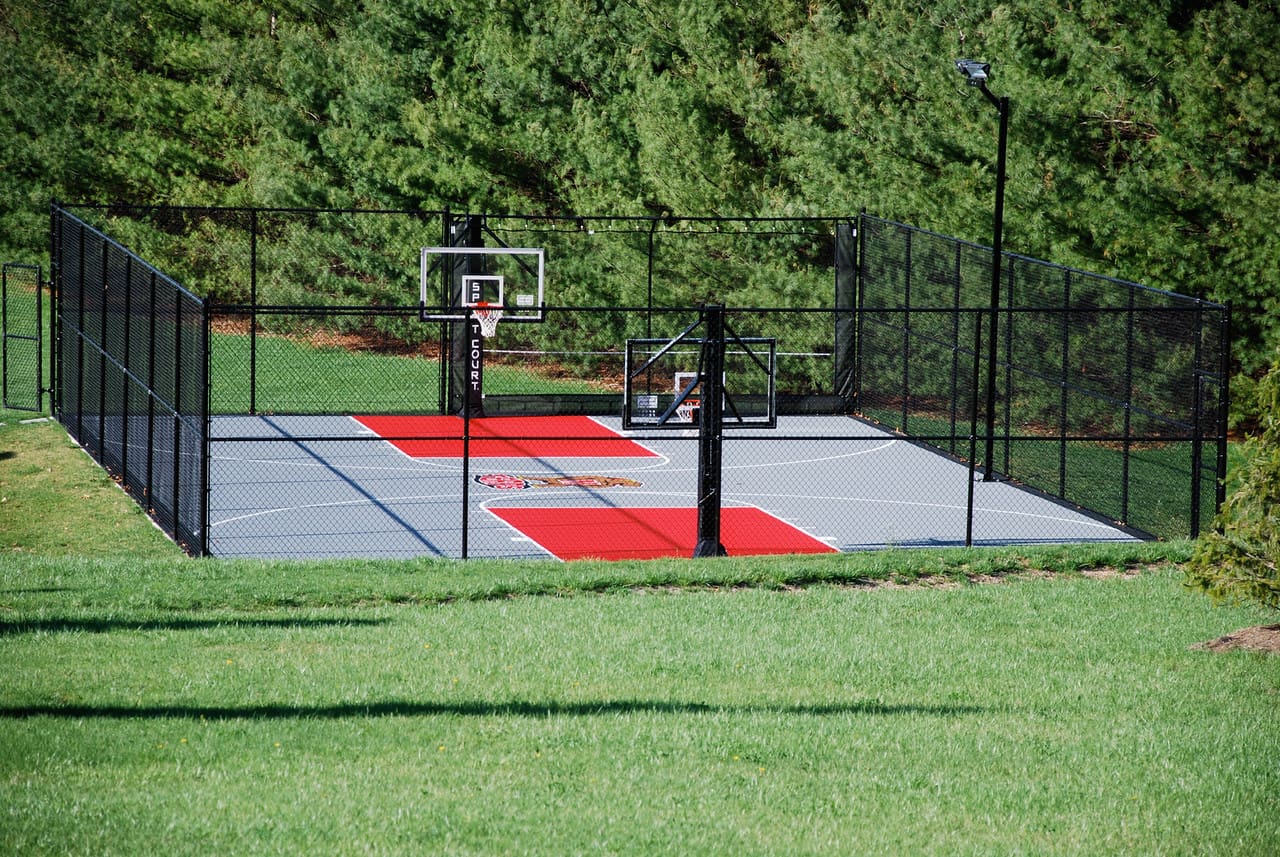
[687,412]
[487,316]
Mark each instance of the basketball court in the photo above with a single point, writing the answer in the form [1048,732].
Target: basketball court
[626,387]
[580,487]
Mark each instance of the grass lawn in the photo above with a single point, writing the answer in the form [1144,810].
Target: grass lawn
[297,376]
[154,703]
[56,501]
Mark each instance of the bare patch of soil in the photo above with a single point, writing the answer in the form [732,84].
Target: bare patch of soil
[944,581]
[1260,638]
[366,341]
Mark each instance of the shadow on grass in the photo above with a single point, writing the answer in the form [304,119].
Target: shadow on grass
[107,626]
[404,708]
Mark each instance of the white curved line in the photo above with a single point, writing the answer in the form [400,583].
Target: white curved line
[364,501]
[793,462]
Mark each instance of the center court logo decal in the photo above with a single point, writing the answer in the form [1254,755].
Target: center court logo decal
[512,482]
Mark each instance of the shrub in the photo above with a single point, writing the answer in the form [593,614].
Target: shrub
[1238,560]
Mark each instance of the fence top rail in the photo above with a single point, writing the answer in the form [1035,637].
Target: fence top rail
[240,209]
[668,219]
[1199,302]
[415,308]
[1034,309]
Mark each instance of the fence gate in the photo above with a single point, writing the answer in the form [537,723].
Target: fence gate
[21,345]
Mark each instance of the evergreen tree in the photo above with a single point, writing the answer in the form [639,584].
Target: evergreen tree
[1142,141]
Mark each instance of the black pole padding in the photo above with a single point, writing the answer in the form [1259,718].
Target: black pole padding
[473,399]
[710,433]
[473,351]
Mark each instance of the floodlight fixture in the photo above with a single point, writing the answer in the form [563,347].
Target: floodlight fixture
[975,70]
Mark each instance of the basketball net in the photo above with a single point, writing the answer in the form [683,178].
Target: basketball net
[487,316]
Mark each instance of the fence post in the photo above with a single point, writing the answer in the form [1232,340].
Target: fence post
[55,268]
[102,353]
[1064,382]
[443,339]
[126,381]
[955,348]
[1128,410]
[1010,283]
[253,311]
[859,300]
[176,405]
[80,272]
[151,398]
[906,332]
[206,426]
[1224,400]
[39,350]
[648,316]
[466,477]
[973,425]
[1197,420]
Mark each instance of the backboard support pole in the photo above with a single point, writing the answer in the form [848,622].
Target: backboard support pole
[474,397]
[711,434]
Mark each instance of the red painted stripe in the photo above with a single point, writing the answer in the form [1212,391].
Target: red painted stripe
[504,437]
[653,533]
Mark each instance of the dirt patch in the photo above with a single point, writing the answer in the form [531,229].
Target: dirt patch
[1260,638]
[365,341]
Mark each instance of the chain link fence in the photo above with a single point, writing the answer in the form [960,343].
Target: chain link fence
[304,408]
[132,374]
[1103,388]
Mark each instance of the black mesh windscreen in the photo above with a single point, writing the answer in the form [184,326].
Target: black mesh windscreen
[132,384]
[1102,392]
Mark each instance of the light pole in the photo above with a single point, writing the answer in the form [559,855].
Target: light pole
[977,73]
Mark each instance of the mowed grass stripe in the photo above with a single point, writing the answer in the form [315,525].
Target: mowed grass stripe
[1047,715]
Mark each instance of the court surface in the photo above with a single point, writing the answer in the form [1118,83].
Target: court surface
[578,487]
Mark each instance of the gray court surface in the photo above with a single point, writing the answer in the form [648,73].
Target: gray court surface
[315,487]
